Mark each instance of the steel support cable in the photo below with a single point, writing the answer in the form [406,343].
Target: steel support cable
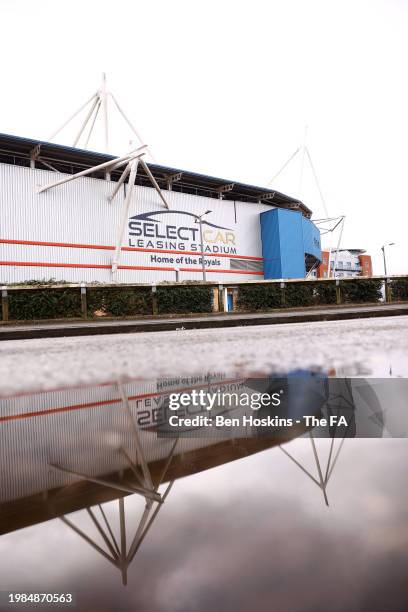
[284,166]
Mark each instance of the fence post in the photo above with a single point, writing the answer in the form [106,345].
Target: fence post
[283,294]
[215,303]
[155,309]
[339,296]
[388,290]
[220,298]
[4,304]
[84,305]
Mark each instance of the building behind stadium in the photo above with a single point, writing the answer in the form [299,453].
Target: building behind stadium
[69,232]
[345,263]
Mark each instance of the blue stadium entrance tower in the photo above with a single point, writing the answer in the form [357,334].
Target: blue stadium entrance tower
[290,244]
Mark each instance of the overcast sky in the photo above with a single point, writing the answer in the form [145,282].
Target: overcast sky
[227,87]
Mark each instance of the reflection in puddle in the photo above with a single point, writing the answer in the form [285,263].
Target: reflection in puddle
[80,450]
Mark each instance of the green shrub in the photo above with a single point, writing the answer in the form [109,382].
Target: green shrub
[400,289]
[324,293]
[364,290]
[119,301]
[266,297]
[299,294]
[259,297]
[44,282]
[47,303]
[184,299]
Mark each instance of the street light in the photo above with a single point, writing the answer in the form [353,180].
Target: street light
[199,220]
[383,252]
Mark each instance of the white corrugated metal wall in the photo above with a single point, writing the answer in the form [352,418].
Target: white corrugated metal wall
[83,430]
[79,214]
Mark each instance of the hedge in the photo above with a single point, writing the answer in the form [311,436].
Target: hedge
[266,297]
[184,299]
[259,297]
[45,301]
[119,302]
[49,302]
[365,290]
[45,304]
[400,289]
[324,293]
[297,294]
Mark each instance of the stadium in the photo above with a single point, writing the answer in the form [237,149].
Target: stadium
[80,216]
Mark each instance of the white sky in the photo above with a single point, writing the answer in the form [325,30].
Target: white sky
[227,87]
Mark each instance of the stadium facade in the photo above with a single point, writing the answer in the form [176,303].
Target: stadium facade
[69,232]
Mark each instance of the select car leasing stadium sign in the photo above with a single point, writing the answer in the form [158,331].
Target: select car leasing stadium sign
[151,231]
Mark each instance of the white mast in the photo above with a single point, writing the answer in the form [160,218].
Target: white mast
[96,103]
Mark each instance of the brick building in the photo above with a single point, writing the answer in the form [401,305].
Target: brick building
[350,262]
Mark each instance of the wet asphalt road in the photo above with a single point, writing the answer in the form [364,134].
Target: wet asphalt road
[355,347]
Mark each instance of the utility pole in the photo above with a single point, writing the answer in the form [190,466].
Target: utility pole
[383,252]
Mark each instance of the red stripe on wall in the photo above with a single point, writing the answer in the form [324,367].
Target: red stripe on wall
[41,264]
[58,244]
[107,402]
[28,415]
[103,247]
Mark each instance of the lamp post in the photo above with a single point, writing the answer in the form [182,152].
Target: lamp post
[199,220]
[383,252]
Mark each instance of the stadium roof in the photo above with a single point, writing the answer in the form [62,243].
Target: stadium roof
[20,151]
[350,250]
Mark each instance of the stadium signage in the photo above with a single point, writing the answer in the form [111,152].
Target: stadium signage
[150,231]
